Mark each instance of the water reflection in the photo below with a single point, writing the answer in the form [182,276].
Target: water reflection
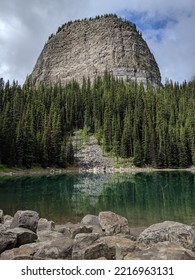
[142,198]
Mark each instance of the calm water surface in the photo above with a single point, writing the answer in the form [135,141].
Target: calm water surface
[142,198]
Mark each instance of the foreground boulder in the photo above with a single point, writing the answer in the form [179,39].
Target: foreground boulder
[44,224]
[8,240]
[24,252]
[97,250]
[162,251]
[55,249]
[119,246]
[46,235]
[24,236]
[71,230]
[92,221]
[25,219]
[167,231]
[106,236]
[81,243]
[112,223]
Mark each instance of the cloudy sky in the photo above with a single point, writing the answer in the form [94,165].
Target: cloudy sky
[168,26]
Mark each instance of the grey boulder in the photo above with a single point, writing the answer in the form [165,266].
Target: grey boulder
[112,223]
[25,219]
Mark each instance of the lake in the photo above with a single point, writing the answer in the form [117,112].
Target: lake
[143,198]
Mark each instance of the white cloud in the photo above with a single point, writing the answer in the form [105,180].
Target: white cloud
[175,52]
[26,25]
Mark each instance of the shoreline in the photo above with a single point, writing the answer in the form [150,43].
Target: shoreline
[54,171]
[27,236]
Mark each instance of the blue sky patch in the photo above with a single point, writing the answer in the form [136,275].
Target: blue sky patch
[144,22]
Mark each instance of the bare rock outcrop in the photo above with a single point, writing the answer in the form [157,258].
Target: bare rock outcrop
[88,48]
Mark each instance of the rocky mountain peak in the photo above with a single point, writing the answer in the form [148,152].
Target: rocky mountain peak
[89,47]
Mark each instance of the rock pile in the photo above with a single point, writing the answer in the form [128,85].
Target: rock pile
[90,157]
[106,236]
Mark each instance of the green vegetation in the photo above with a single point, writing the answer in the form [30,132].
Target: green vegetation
[147,126]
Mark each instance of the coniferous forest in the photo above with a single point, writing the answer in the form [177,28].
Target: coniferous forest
[154,127]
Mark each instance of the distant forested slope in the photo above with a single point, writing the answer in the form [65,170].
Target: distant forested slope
[152,126]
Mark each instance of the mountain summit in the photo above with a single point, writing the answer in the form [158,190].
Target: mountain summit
[89,47]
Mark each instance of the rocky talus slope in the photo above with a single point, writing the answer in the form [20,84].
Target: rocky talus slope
[91,47]
[105,236]
[89,156]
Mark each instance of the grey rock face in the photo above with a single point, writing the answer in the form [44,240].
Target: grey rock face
[48,235]
[8,240]
[92,221]
[81,242]
[119,246]
[44,224]
[55,249]
[71,230]
[26,219]
[89,47]
[167,231]
[97,250]
[23,252]
[112,223]
[24,235]
[162,251]
[123,247]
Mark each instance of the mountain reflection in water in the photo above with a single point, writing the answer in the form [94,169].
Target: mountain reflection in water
[143,198]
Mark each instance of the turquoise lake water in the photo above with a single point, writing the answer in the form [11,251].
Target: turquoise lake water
[143,198]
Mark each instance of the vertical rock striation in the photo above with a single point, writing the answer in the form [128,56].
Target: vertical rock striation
[91,47]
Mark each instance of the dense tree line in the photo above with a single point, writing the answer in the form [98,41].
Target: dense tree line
[152,126]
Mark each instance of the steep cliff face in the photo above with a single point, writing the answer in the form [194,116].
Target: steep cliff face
[89,47]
